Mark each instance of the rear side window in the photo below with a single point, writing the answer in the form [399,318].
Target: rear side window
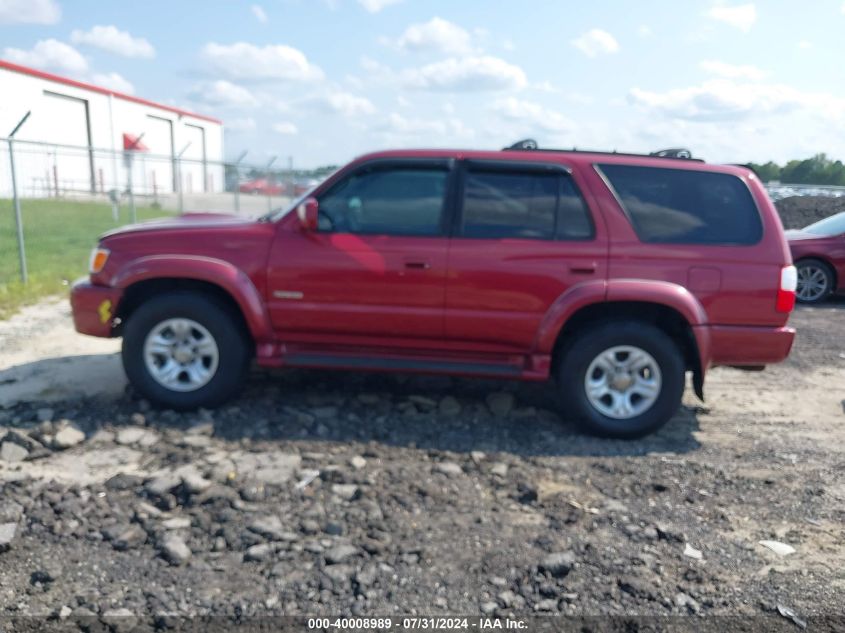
[678,206]
[502,204]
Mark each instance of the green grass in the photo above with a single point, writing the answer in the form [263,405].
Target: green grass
[58,236]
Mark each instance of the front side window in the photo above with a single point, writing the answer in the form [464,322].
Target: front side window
[386,201]
[500,204]
[682,206]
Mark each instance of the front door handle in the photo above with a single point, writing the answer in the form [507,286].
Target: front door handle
[583,269]
[417,265]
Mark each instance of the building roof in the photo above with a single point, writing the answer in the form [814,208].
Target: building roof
[91,87]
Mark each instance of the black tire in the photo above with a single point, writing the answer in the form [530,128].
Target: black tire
[578,354]
[826,271]
[218,319]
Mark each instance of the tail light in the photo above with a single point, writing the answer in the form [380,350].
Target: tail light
[786,291]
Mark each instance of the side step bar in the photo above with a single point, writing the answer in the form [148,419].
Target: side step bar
[328,361]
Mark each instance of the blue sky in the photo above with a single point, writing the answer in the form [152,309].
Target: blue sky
[326,80]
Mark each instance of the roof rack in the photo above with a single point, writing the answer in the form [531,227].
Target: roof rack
[530,145]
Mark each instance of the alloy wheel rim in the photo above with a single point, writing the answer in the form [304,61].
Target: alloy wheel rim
[623,382]
[181,355]
[812,283]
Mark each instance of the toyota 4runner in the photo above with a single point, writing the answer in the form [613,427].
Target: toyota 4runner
[613,274]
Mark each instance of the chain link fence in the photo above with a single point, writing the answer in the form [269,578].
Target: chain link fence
[55,196]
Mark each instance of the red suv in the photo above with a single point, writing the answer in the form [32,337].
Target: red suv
[614,274]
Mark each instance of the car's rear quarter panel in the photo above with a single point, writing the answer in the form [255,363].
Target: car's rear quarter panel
[736,285]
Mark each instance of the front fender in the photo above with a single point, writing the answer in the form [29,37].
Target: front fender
[214,271]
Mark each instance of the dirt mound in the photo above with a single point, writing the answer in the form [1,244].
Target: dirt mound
[799,211]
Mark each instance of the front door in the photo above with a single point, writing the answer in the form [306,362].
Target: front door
[374,271]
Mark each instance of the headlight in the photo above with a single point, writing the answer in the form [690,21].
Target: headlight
[99,257]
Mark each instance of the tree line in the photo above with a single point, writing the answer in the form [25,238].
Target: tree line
[818,170]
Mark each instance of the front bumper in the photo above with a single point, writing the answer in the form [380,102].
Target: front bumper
[749,346]
[94,308]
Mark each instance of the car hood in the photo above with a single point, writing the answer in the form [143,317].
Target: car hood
[798,235]
[187,221]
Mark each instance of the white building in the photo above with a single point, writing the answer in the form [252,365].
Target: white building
[75,138]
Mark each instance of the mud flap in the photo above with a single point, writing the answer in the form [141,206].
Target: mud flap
[698,383]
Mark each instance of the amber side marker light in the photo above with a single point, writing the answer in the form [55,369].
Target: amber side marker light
[99,257]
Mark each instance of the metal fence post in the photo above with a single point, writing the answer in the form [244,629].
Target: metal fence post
[237,182]
[179,171]
[267,177]
[17,202]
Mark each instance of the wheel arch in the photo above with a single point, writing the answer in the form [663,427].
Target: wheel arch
[670,307]
[147,277]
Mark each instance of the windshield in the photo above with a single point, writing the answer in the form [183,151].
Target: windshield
[834,225]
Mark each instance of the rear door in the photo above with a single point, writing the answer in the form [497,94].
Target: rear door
[523,236]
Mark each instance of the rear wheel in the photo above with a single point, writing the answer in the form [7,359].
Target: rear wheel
[184,350]
[815,281]
[622,379]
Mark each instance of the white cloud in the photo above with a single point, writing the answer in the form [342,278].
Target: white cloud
[532,115]
[467,74]
[403,128]
[246,124]
[435,35]
[596,42]
[49,55]
[110,38]
[731,71]
[285,127]
[113,81]
[29,12]
[259,13]
[374,6]
[222,93]
[723,99]
[741,16]
[245,62]
[344,103]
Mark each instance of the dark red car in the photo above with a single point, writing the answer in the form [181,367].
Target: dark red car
[818,251]
[263,187]
[613,274]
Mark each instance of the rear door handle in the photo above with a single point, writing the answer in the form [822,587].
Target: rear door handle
[584,269]
[417,265]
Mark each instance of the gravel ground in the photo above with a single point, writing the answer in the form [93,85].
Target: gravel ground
[343,493]
[799,211]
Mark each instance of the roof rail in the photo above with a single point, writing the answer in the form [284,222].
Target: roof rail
[530,145]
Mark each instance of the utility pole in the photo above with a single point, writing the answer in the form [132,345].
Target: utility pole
[17,202]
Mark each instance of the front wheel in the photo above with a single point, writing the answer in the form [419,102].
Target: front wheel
[815,281]
[185,350]
[622,379]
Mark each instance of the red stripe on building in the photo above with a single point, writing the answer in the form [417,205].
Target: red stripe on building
[105,91]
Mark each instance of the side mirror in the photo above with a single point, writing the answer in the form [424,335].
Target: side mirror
[308,213]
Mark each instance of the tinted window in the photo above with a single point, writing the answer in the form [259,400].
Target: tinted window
[686,207]
[501,204]
[395,201]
